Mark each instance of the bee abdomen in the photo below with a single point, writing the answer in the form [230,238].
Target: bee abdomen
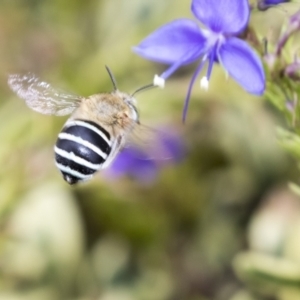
[81,149]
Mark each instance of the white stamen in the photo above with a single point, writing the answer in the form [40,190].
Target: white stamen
[159,81]
[204,83]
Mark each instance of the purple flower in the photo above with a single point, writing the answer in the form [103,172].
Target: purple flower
[134,163]
[265,4]
[143,164]
[182,41]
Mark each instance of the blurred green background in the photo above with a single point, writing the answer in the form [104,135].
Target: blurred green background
[221,224]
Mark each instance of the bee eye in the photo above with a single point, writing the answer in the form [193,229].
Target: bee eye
[135,113]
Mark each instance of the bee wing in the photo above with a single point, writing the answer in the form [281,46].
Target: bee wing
[156,144]
[116,147]
[146,150]
[41,96]
[146,144]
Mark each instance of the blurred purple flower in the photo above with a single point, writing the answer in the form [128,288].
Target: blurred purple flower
[265,4]
[290,105]
[134,163]
[293,71]
[182,42]
[143,164]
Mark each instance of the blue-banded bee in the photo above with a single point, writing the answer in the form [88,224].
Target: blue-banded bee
[96,131]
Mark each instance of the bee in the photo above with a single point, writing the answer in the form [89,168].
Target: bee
[95,132]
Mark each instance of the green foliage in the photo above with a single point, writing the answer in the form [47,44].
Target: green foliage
[182,236]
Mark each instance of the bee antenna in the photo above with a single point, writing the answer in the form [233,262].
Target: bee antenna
[145,87]
[112,78]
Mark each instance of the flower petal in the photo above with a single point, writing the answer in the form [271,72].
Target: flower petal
[135,163]
[223,16]
[274,2]
[177,40]
[188,95]
[266,4]
[243,64]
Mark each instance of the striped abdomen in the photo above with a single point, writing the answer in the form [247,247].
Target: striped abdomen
[81,149]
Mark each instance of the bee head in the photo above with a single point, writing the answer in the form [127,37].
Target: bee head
[128,99]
